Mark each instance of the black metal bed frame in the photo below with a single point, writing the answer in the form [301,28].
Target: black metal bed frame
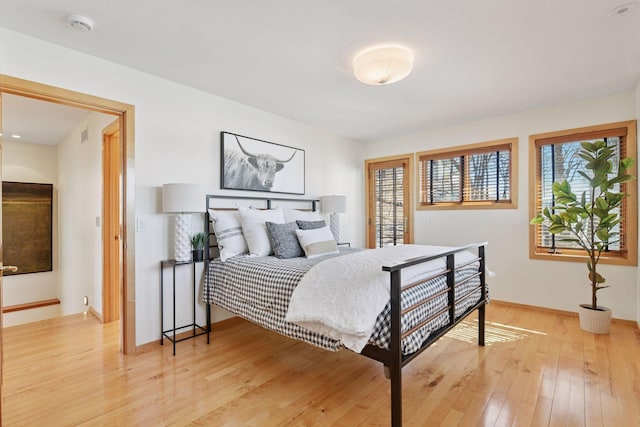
[393,359]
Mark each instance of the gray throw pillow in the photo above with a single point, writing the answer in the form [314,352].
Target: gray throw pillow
[284,240]
[310,225]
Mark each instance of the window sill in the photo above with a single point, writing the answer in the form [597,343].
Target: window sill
[578,256]
[468,205]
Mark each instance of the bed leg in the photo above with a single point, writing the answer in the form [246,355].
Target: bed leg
[208,322]
[481,315]
[396,396]
[387,372]
[395,366]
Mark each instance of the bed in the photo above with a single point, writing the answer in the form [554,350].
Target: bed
[415,295]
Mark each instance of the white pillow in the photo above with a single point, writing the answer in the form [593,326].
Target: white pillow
[317,242]
[231,241]
[255,230]
[292,215]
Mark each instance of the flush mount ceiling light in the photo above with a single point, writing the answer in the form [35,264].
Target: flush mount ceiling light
[622,9]
[80,23]
[383,65]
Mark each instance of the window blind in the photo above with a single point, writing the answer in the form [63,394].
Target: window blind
[481,175]
[389,206]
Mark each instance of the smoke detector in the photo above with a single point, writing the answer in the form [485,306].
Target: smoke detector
[80,23]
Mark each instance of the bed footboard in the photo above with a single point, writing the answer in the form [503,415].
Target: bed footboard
[393,359]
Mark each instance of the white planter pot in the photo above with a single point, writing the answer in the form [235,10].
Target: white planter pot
[595,321]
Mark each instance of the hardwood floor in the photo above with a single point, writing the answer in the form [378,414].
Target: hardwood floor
[537,369]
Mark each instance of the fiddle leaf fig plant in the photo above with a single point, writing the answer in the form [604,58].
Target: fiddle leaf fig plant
[590,218]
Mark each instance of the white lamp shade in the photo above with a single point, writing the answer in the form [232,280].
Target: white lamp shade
[383,65]
[179,198]
[333,204]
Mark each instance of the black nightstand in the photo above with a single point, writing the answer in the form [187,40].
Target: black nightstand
[170,334]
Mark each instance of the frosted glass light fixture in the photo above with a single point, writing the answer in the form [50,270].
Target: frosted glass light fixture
[183,199]
[334,205]
[383,65]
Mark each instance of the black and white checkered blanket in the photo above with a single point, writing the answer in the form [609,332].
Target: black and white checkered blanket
[259,289]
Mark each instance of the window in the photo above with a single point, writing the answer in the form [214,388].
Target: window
[389,201]
[469,177]
[554,158]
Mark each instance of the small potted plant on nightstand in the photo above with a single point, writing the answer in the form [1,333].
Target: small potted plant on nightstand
[198,242]
[590,220]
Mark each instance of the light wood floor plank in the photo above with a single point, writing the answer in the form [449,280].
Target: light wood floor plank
[537,369]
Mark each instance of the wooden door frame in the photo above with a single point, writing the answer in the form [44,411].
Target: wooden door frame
[111,223]
[1,259]
[408,177]
[125,113]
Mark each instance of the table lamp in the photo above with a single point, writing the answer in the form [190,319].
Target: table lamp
[334,205]
[182,199]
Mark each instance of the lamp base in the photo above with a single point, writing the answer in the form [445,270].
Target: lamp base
[182,239]
[334,225]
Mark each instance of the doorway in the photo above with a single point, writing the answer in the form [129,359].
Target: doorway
[124,114]
[389,201]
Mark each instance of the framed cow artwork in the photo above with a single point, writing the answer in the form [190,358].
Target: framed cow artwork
[254,165]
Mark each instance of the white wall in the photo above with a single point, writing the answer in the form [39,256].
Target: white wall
[80,203]
[25,162]
[559,285]
[177,140]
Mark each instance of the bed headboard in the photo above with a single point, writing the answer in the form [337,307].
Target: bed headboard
[226,202]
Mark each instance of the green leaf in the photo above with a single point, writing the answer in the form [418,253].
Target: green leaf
[621,178]
[606,153]
[557,228]
[537,220]
[626,163]
[598,180]
[600,144]
[601,203]
[603,234]
[598,277]
[570,239]
[588,146]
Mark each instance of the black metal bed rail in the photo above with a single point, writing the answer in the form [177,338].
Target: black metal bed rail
[421,281]
[267,200]
[423,323]
[393,359]
[469,293]
[424,301]
[208,223]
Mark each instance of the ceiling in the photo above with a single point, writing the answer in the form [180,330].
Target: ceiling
[474,59]
[38,122]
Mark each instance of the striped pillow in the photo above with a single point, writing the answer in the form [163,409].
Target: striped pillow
[228,230]
[317,242]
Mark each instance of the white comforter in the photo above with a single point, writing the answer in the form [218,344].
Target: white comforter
[341,297]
